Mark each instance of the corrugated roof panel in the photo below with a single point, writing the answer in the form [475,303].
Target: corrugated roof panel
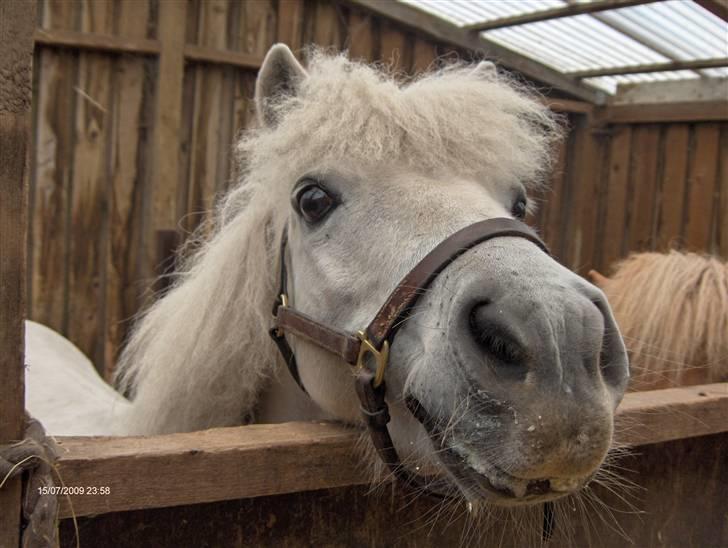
[658,32]
[591,43]
[465,12]
[681,28]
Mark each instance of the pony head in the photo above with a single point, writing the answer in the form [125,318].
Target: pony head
[516,359]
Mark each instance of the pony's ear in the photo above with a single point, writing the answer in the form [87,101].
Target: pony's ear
[280,75]
[598,279]
[486,69]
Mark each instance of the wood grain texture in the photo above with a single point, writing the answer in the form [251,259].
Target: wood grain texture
[166,123]
[664,112]
[678,499]
[672,186]
[702,172]
[218,464]
[641,209]
[129,164]
[579,252]
[290,23]
[49,210]
[550,204]
[722,221]
[17,21]
[424,55]
[359,36]
[89,189]
[249,461]
[97,42]
[395,48]
[329,27]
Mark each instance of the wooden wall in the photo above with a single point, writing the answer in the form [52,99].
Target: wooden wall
[621,188]
[137,103]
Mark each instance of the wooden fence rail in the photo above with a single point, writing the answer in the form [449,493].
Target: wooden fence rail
[261,460]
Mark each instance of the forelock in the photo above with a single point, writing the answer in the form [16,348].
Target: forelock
[453,120]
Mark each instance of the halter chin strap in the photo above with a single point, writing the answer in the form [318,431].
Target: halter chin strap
[378,336]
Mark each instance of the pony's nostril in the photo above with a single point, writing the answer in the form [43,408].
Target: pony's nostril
[486,327]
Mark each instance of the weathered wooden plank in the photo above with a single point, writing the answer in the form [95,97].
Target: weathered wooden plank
[258,19]
[722,230]
[166,123]
[702,171]
[128,167]
[95,42]
[667,494]
[424,55]
[557,225]
[395,48]
[569,105]
[290,23]
[616,199]
[207,116]
[692,64]
[692,111]
[258,460]
[89,190]
[360,38]
[641,209]
[17,21]
[673,413]
[600,172]
[672,188]
[583,203]
[218,464]
[215,56]
[55,103]
[328,26]
[551,216]
[259,26]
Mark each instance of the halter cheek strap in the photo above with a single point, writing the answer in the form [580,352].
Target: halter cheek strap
[377,337]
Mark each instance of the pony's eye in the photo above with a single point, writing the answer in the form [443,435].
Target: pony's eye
[314,203]
[519,208]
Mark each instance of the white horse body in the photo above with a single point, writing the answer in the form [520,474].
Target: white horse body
[63,389]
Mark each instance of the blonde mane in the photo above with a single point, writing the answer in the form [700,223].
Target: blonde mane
[200,355]
[672,310]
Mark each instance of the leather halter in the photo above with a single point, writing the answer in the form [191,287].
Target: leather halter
[378,336]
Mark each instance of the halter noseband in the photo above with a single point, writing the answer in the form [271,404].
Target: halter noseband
[378,336]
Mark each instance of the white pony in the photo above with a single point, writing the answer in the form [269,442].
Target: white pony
[517,360]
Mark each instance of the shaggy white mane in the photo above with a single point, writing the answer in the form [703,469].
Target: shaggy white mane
[200,355]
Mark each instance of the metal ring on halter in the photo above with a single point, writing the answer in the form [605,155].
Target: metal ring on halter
[381,357]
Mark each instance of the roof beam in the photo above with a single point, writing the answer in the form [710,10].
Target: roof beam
[447,32]
[716,7]
[554,13]
[717,62]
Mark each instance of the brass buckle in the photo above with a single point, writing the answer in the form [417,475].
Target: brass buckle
[284,303]
[381,357]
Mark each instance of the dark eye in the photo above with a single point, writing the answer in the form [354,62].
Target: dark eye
[519,208]
[314,203]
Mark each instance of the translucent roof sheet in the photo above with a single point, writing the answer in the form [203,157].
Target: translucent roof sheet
[658,32]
